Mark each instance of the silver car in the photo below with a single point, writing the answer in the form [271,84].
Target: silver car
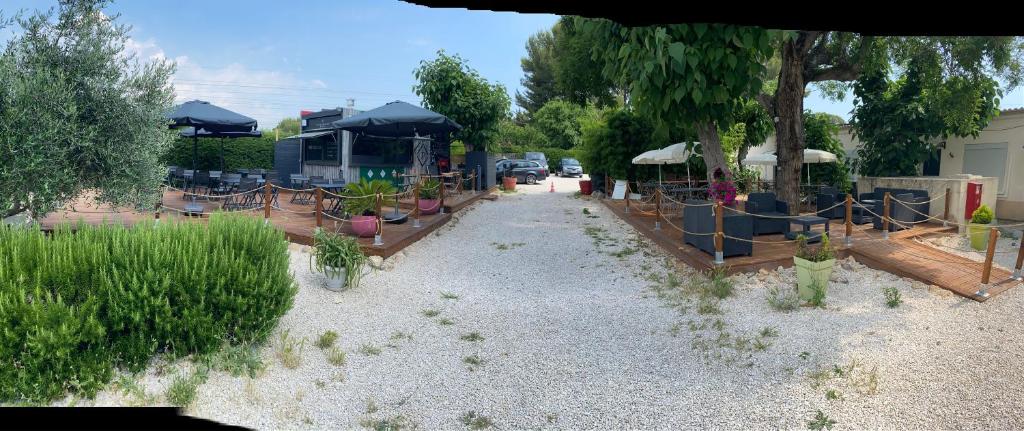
[570,168]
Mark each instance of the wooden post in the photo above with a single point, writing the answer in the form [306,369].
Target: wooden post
[319,207]
[266,202]
[627,196]
[156,214]
[986,273]
[416,203]
[885,216]
[719,233]
[1019,267]
[441,186]
[657,209]
[849,219]
[607,186]
[475,180]
[945,214]
[377,240]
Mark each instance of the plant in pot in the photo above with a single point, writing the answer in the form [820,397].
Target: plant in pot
[339,258]
[977,229]
[430,191]
[361,204]
[813,266]
[508,179]
[722,188]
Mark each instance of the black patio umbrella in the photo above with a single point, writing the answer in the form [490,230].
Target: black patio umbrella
[398,119]
[209,117]
[203,133]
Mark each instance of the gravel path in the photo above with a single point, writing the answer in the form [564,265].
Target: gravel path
[583,327]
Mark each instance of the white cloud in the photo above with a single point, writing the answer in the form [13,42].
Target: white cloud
[266,95]
[420,41]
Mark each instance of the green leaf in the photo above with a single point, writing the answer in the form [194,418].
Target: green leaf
[700,29]
[677,50]
[697,95]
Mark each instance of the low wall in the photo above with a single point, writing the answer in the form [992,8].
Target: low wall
[936,186]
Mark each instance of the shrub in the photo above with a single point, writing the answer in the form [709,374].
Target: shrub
[361,197]
[75,305]
[820,254]
[239,153]
[982,215]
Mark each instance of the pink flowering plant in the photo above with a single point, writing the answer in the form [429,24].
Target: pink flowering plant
[722,188]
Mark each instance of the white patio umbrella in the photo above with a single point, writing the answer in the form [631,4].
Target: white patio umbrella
[670,155]
[810,156]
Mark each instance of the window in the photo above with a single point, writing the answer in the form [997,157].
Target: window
[370,150]
[320,149]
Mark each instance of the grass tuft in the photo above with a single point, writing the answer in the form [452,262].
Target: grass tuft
[336,356]
[327,340]
[289,350]
[472,336]
[475,421]
[892,297]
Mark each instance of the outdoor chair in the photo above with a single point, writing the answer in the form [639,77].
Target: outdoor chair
[300,182]
[767,211]
[828,197]
[244,196]
[699,220]
[900,215]
[918,201]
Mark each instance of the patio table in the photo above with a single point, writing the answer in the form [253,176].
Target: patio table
[806,222]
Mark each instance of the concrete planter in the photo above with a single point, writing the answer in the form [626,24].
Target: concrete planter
[430,206]
[335,279]
[364,226]
[808,273]
[978,233]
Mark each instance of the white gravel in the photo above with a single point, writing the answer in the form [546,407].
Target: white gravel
[1005,253]
[574,337]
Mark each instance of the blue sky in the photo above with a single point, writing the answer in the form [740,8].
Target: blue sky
[271,59]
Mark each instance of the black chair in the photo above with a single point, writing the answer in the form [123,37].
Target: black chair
[766,205]
[918,201]
[699,219]
[827,198]
[900,215]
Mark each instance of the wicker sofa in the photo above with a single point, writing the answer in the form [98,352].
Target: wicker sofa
[699,218]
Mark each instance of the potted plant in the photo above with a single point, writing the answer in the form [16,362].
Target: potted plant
[508,179]
[977,229]
[813,266]
[361,204]
[430,190]
[339,258]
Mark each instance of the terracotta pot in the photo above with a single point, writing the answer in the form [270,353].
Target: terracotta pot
[586,187]
[430,206]
[509,183]
[364,226]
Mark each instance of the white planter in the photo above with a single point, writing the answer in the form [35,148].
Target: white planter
[334,280]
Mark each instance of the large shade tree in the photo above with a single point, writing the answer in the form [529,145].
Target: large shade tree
[539,75]
[684,75]
[833,59]
[78,112]
[449,86]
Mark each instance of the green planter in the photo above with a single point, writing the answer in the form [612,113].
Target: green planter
[978,233]
[808,272]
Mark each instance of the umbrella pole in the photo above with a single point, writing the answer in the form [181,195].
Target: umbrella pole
[222,154]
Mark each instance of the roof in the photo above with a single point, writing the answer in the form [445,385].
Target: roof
[1007,111]
[326,113]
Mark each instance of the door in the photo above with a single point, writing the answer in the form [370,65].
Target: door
[286,158]
[987,160]
[931,165]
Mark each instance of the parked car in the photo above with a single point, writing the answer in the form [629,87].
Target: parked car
[570,168]
[537,157]
[525,171]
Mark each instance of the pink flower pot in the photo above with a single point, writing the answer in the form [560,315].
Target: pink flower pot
[364,226]
[430,206]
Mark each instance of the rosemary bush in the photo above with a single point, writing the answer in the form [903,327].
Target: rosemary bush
[75,305]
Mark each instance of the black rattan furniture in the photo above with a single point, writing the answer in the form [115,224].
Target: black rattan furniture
[767,211]
[807,222]
[699,221]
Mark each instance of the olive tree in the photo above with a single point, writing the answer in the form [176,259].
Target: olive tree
[79,113]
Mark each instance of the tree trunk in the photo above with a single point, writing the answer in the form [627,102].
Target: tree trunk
[789,126]
[711,147]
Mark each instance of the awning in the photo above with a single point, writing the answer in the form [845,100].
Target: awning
[308,135]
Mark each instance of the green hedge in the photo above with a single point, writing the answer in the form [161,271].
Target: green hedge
[244,153]
[75,305]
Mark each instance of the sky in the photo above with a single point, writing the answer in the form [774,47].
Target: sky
[271,59]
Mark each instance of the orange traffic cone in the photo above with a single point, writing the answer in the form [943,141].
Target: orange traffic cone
[552,187]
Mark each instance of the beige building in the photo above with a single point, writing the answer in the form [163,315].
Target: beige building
[997,152]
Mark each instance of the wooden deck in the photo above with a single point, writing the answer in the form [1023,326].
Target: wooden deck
[900,254]
[298,221]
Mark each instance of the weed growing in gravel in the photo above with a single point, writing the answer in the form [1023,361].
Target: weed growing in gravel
[326,340]
[805,355]
[586,211]
[892,297]
[371,406]
[336,356]
[708,306]
[387,424]
[251,393]
[761,345]
[369,349]
[473,361]
[136,393]
[818,298]
[182,391]
[430,312]
[625,252]
[720,284]
[832,394]
[821,421]
[769,332]
[551,418]
[444,321]
[289,350]
[472,336]
[475,421]
[674,329]
[449,295]
[783,299]
[237,360]
[320,384]
[399,335]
